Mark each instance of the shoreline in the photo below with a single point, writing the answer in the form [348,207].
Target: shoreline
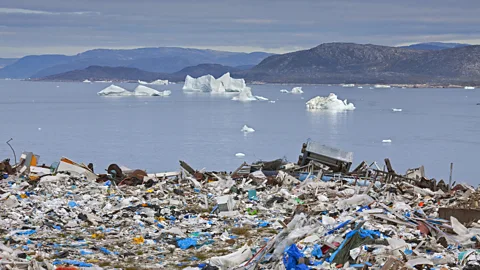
[415,85]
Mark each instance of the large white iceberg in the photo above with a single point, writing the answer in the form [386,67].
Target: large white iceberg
[297,90]
[114,90]
[143,90]
[331,103]
[232,85]
[245,95]
[156,82]
[205,83]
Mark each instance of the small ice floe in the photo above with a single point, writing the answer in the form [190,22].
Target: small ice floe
[261,98]
[396,110]
[284,91]
[239,155]
[297,90]
[272,101]
[387,141]
[247,129]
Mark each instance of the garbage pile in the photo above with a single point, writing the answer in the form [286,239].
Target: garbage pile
[313,214]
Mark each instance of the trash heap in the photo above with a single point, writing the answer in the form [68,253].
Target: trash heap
[314,214]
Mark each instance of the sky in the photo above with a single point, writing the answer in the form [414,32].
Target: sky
[73,26]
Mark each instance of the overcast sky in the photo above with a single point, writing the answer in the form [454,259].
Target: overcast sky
[73,26]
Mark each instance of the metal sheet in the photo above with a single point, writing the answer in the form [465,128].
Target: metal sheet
[331,152]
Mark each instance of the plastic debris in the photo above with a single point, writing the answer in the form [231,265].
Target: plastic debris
[319,213]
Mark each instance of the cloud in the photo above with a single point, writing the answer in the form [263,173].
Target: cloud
[42,12]
[59,26]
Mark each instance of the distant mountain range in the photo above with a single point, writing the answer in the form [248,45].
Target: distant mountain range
[101,73]
[355,63]
[326,63]
[159,60]
[435,46]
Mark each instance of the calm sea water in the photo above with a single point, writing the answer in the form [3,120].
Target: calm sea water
[436,127]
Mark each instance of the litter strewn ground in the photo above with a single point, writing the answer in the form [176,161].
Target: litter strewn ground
[313,214]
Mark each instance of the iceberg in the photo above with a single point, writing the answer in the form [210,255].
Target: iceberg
[160,82]
[87,81]
[142,90]
[205,83]
[469,88]
[245,95]
[156,82]
[247,129]
[380,86]
[232,85]
[396,110]
[387,141]
[331,103]
[208,83]
[297,90]
[114,90]
[261,98]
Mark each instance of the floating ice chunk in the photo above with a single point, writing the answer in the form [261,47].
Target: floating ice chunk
[360,87]
[396,110]
[379,86]
[160,82]
[469,88]
[284,91]
[245,95]
[331,103]
[297,90]
[272,101]
[387,141]
[247,129]
[143,90]
[156,82]
[166,93]
[205,83]
[114,90]
[232,85]
[239,155]
[261,98]
[87,81]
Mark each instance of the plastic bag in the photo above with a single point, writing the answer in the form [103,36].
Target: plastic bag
[186,243]
[291,256]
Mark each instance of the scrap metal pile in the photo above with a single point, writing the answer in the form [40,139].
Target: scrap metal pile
[314,214]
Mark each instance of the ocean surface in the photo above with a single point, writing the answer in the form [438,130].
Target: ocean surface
[435,128]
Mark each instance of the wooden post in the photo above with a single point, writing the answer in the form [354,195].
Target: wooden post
[450,179]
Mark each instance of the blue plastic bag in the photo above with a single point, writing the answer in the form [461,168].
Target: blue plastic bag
[72,262]
[317,251]
[72,204]
[105,251]
[291,256]
[186,243]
